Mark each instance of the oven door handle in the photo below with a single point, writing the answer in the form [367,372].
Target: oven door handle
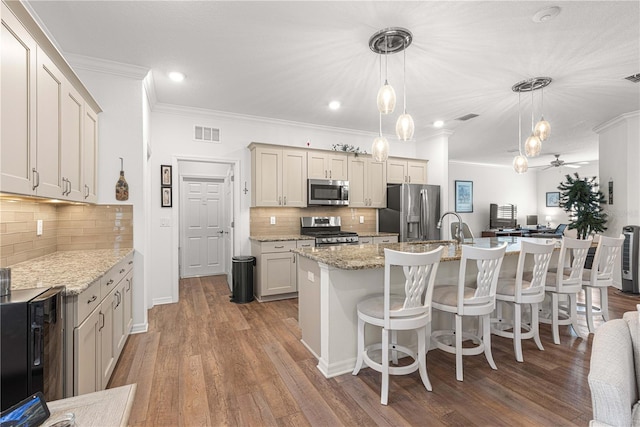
[36,334]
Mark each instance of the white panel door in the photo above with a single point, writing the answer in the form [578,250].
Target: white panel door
[203,227]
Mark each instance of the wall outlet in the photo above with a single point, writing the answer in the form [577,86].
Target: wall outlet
[310,276]
[361,219]
[273,220]
[165,222]
[39,227]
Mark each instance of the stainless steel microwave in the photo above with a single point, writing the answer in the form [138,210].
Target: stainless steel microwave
[327,192]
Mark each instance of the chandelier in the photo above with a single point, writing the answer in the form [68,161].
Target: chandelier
[539,131]
[386,42]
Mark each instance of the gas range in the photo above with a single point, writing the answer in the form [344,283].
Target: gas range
[326,231]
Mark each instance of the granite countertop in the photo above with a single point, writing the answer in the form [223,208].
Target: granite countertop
[75,270]
[110,407]
[375,234]
[360,257]
[280,238]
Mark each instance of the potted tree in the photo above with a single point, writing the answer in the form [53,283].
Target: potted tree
[582,200]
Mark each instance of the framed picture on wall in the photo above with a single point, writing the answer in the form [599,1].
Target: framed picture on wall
[464,196]
[166,196]
[165,175]
[553,199]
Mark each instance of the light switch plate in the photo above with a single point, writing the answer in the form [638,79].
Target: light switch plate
[39,227]
[273,220]
[165,222]
[310,276]
[361,219]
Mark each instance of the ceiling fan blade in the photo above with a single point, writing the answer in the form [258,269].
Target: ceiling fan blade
[572,165]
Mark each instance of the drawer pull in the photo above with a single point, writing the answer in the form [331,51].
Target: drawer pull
[110,282]
[92,299]
[130,262]
[279,247]
[122,271]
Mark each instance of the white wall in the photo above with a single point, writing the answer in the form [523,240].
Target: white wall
[619,152]
[492,184]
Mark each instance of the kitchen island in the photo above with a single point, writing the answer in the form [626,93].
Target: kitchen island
[333,280]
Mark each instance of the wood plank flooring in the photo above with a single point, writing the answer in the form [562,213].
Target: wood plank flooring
[208,362]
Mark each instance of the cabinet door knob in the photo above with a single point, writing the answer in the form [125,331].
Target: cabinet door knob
[285,200]
[92,299]
[110,282]
[36,178]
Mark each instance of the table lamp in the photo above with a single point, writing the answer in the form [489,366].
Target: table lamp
[548,219]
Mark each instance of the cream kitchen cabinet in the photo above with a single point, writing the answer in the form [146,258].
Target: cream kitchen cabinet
[279,176]
[327,165]
[275,270]
[367,183]
[43,104]
[385,239]
[98,323]
[401,171]
[89,155]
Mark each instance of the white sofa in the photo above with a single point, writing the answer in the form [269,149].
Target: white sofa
[614,373]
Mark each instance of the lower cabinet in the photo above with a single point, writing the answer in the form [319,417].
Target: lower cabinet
[379,239]
[99,329]
[275,270]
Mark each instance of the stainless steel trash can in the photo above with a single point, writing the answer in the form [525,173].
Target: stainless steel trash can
[242,271]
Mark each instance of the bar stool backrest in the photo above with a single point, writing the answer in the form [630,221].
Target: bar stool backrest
[488,262]
[575,251]
[608,250]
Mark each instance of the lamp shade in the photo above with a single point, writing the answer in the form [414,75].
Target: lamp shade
[520,164]
[380,149]
[542,129]
[405,127]
[532,146]
[386,99]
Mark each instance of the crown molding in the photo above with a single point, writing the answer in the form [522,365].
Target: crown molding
[606,125]
[180,110]
[88,63]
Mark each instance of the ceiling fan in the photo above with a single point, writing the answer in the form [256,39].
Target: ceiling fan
[556,163]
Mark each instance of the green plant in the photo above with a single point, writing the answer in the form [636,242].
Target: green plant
[348,148]
[582,200]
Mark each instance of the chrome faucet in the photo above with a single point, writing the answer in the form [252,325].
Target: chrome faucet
[459,236]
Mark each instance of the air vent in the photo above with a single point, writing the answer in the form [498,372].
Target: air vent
[206,134]
[634,78]
[467,117]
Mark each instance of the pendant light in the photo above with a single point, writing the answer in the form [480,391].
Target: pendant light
[380,147]
[404,125]
[386,94]
[543,128]
[520,163]
[532,145]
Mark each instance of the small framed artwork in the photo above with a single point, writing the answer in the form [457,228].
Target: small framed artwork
[553,199]
[464,196]
[165,175]
[166,197]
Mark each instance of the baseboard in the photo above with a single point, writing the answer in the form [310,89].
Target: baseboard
[140,328]
[164,300]
[335,369]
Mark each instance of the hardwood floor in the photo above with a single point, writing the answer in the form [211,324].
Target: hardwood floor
[208,362]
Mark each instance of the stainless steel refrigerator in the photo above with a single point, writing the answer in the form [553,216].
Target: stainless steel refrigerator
[412,211]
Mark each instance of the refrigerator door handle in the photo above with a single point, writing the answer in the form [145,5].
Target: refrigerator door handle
[424,214]
[36,335]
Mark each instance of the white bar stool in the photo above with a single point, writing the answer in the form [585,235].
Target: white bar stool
[466,301]
[517,292]
[411,311]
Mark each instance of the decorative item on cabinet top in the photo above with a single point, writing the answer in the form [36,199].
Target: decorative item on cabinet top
[348,148]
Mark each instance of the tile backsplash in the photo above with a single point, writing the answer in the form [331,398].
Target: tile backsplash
[288,219]
[65,227]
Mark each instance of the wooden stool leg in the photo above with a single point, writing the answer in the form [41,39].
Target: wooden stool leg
[384,392]
[458,348]
[360,347]
[517,331]
[536,324]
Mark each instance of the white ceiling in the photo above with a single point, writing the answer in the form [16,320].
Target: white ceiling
[288,59]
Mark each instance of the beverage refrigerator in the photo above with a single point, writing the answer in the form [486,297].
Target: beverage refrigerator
[412,211]
[32,345]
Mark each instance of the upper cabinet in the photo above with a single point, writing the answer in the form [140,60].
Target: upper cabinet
[90,155]
[401,171]
[44,148]
[367,182]
[277,177]
[327,165]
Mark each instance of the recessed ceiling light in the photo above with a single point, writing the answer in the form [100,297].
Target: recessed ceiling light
[176,76]
[334,105]
[438,123]
[546,14]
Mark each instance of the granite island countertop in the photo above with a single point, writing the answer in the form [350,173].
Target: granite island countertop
[360,257]
[284,237]
[75,270]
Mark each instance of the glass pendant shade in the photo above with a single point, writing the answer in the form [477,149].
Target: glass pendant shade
[532,146]
[380,149]
[405,127]
[386,99]
[520,164]
[543,129]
